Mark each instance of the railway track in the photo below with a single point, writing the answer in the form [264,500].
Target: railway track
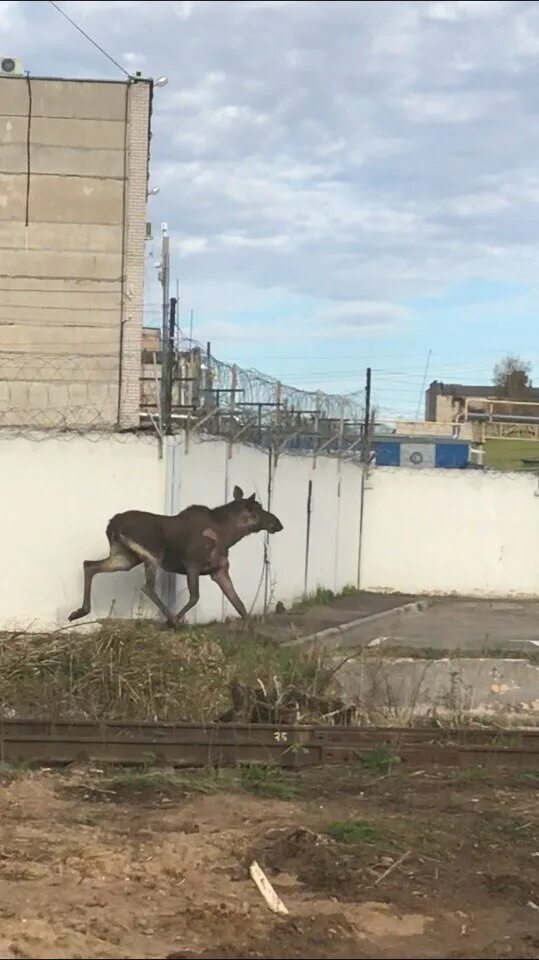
[192,745]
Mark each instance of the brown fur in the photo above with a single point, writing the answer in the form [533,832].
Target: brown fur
[195,543]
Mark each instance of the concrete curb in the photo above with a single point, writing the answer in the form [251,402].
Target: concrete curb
[415,607]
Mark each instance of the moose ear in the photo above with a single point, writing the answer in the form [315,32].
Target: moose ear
[252,498]
[238,493]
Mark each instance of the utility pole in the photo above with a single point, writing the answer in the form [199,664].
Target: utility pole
[167,370]
[166,357]
[367,428]
[367,423]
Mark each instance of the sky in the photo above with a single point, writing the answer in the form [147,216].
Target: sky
[346,184]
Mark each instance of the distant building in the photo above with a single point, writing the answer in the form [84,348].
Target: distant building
[454,402]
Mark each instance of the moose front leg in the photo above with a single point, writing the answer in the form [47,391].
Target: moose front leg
[194,593]
[222,578]
[150,591]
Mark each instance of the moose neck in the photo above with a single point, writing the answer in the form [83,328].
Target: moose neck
[227,517]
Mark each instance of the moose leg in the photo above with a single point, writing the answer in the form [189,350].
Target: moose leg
[150,569]
[222,578]
[118,560]
[151,566]
[192,586]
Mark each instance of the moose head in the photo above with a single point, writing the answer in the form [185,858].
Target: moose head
[251,515]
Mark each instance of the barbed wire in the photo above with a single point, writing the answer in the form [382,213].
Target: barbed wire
[78,393]
[59,391]
[258,388]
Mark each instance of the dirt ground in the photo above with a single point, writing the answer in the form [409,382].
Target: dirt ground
[370,862]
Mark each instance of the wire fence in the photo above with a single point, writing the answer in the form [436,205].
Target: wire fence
[199,393]
[60,392]
[180,390]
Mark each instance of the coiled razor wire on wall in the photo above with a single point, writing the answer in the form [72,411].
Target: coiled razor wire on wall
[258,388]
[209,397]
[77,394]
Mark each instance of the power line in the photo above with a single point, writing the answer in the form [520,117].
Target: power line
[87,37]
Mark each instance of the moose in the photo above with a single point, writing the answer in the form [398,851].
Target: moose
[194,542]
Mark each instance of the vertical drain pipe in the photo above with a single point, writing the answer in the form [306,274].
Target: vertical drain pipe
[367,429]
[308,537]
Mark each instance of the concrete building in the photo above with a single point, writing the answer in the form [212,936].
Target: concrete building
[73,188]
[457,402]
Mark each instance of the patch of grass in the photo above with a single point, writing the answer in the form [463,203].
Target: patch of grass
[510,739]
[497,826]
[322,596]
[473,774]
[318,598]
[354,832]
[381,759]
[207,780]
[349,591]
[530,776]
[428,834]
[269,782]
[136,670]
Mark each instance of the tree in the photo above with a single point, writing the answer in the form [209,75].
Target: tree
[512,376]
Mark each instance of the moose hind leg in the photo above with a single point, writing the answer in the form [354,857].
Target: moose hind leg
[222,578]
[118,559]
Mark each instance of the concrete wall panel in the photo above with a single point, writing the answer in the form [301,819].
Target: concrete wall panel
[62,273]
[56,237]
[65,285]
[64,161]
[68,489]
[43,263]
[62,340]
[12,197]
[63,98]
[75,200]
[46,131]
[467,532]
[39,315]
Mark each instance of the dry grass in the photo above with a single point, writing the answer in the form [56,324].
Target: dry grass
[137,670]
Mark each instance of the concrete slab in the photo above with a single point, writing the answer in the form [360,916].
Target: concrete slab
[493,626]
[311,619]
[402,689]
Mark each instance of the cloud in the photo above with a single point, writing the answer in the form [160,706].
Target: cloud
[360,318]
[134,59]
[7,11]
[352,155]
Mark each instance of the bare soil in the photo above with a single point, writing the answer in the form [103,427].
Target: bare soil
[108,864]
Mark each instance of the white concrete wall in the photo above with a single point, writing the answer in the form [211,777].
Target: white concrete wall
[450,531]
[57,496]
[425,531]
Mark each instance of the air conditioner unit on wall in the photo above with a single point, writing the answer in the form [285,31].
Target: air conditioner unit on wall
[11,67]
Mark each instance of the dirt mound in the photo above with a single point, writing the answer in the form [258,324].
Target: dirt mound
[512,887]
[316,937]
[526,948]
[315,860]
[169,877]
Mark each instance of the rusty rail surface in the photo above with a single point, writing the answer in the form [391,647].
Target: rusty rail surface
[192,745]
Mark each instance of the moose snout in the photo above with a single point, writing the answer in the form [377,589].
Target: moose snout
[274,525]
